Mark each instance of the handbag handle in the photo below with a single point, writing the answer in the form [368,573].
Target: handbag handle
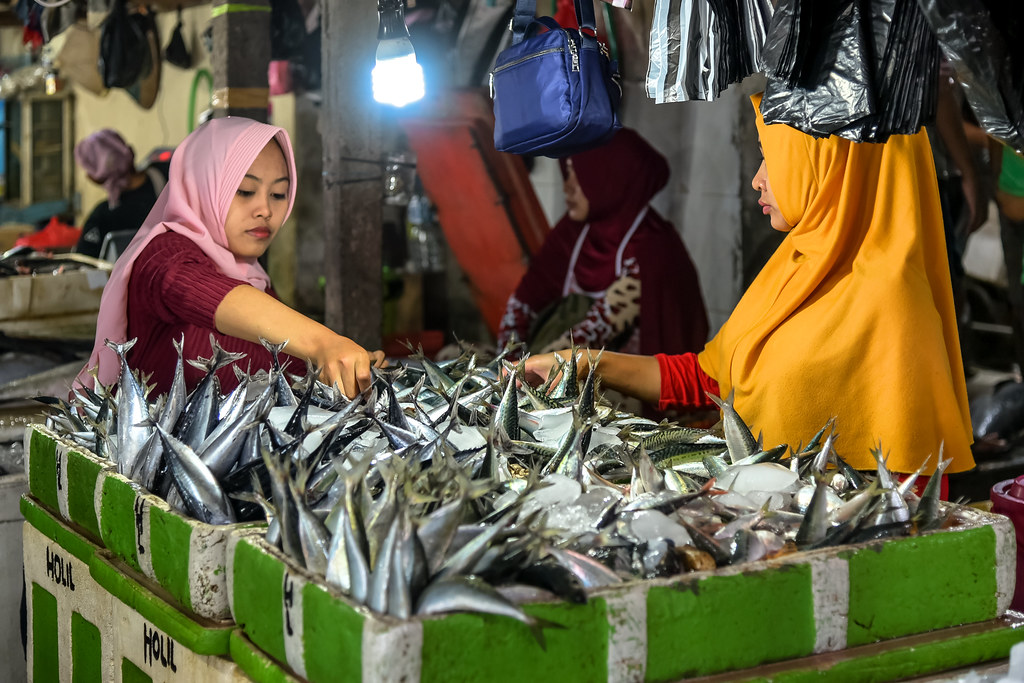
[526,9]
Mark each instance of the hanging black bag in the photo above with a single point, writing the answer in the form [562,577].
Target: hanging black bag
[124,47]
[287,29]
[176,53]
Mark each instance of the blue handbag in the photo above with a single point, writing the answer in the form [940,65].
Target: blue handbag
[555,93]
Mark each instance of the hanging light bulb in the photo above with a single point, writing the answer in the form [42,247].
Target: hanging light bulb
[397,77]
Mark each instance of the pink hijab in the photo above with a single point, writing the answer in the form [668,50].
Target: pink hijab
[108,160]
[206,171]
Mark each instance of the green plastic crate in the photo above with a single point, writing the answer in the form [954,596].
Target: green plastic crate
[63,476]
[184,556]
[791,607]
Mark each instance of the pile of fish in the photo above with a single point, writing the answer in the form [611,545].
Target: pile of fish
[443,481]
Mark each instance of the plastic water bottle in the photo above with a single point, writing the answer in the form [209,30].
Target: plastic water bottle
[423,237]
[434,245]
[415,236]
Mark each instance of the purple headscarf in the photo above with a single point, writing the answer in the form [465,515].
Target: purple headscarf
[108,160]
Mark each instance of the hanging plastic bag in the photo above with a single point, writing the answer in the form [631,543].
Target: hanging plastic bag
[699,47]
[144,90]
[124,47]
[176,53]
[857,69]
[982,42]
[819,102]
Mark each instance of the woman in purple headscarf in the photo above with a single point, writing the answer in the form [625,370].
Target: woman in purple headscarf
[109,161]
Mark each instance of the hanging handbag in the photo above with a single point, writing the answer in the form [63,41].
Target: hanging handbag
[555,93]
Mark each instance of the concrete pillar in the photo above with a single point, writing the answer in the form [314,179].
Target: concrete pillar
[353,186]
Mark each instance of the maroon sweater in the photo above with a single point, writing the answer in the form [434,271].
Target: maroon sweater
[175,289]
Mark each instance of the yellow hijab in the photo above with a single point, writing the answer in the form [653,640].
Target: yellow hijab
[853,315]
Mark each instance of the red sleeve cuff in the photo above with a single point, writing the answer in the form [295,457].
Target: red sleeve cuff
[684,385]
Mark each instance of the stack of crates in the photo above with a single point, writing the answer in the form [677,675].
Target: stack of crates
[129,590]
[93,615]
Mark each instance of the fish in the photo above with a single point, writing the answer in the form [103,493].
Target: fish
[470,593]
[441,475]
[738,437]
[197,485]
[132,411]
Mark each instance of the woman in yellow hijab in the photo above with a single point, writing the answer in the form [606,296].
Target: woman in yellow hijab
[852,317]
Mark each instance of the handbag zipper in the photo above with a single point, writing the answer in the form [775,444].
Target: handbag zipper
[574,56]
[538,54]
[572,50]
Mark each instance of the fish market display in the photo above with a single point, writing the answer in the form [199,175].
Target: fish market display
[444,481]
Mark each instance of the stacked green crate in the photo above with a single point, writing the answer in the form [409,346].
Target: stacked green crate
[152,640]
[68,612]
[91,618]
[184,556]
[792,607]
[63,478]
[255,663]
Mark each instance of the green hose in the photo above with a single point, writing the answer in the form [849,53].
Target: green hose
[201,74]
[613,41]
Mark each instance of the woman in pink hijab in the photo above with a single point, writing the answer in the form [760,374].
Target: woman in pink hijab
[192,268]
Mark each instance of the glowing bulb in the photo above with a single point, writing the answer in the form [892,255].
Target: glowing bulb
[397,77]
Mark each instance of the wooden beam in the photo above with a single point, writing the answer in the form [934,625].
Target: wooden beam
[241,57]
[353,188]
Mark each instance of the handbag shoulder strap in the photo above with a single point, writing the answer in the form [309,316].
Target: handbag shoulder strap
[585,15]
[525,11]
[522,18]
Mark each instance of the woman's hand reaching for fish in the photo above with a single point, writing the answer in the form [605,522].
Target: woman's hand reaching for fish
[537,368]
[251,314]
[634,375]
[347,364]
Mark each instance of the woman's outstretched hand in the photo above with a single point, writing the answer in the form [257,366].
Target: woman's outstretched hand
[251,314]
[538,368]
[633,375]
[347,364]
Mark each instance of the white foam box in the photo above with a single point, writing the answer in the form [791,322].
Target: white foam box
[152,640]
[40,296]
[12,487]
[185,557]
[63,478]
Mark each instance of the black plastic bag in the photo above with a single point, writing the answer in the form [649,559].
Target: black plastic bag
[176,53]
[997,419]
[860,69]
[306,67]
[826,82]
[982,41]
[124,47]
